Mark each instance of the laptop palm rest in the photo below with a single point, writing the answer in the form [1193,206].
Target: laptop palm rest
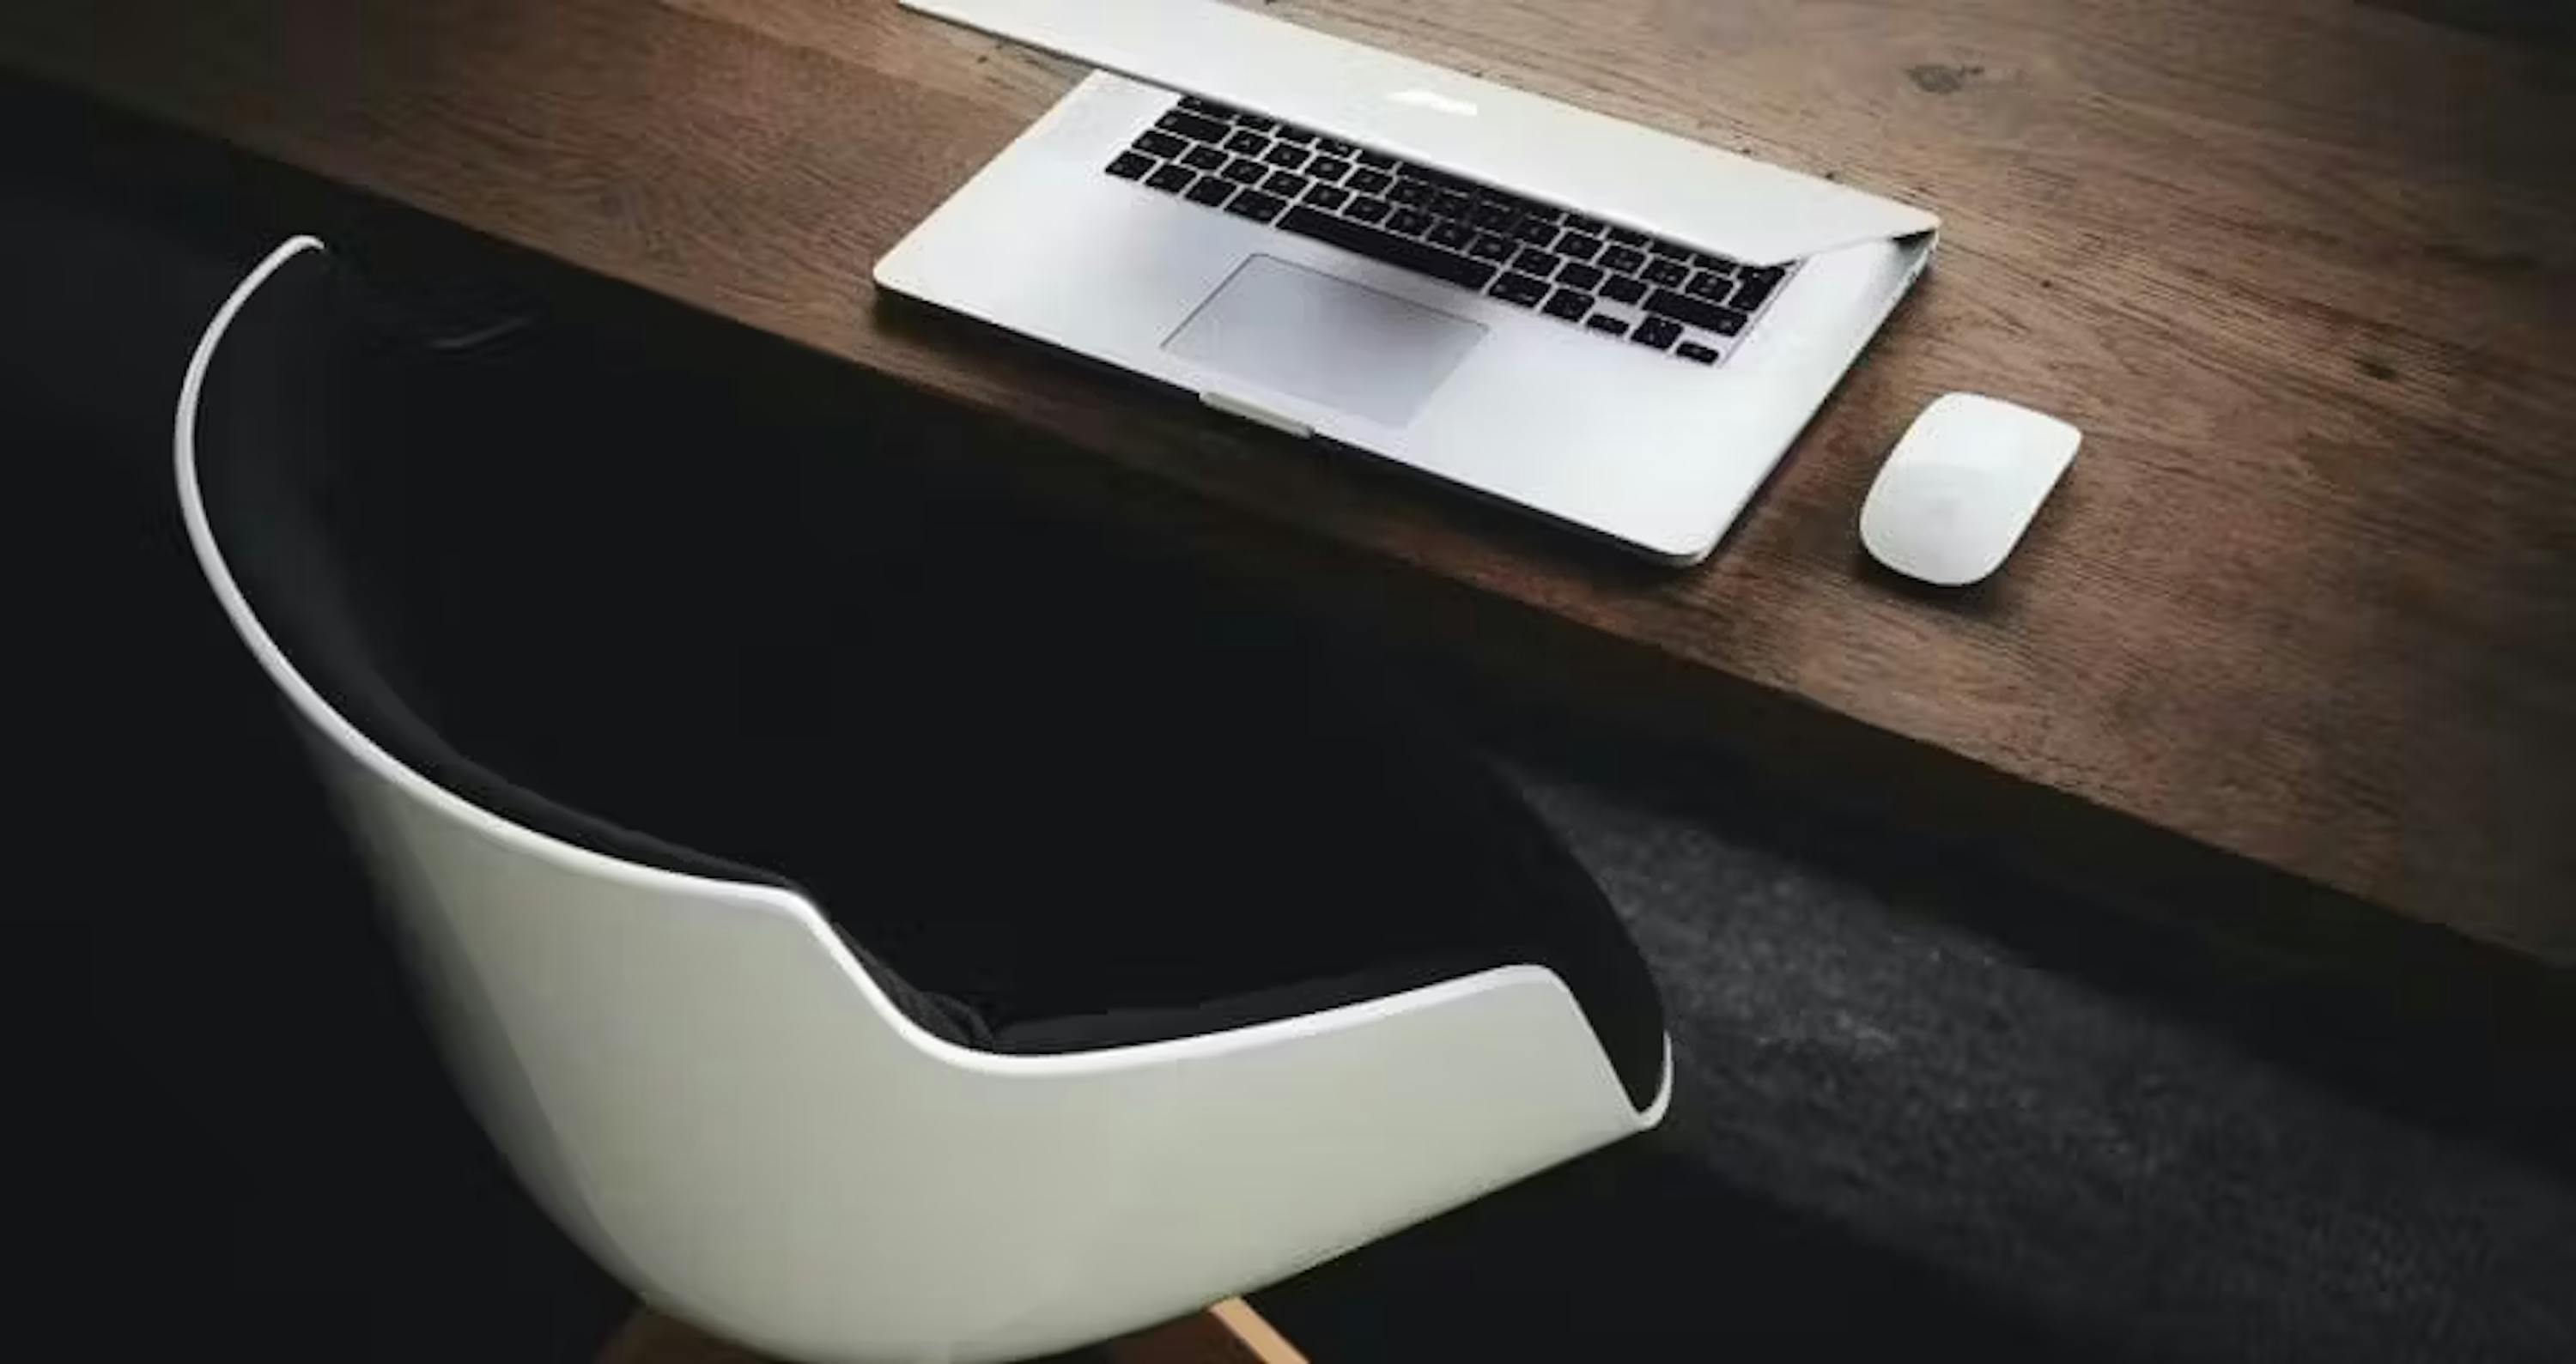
[1327,340]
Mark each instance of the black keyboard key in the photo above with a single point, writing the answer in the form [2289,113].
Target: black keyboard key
[1386,246]
[1411,221]
[1495,217]
[1520,289]
[1287,184]
[1455,235]
[1713,287]
[1191,126]
[1492,246]
[1755,288]
[1246,171]
[1285,155]
[1328,196]
[1718,264]
[1369,181]
[1411,193]
[1604,322]
[1537,233]
[1255,122]
[1623,289]
[1543,213]
[1210,191]
[1576,222]
[1669,250]
[1666,272]
[1452,204]
[1301,136]
[1624,259]
[1692,350]
[1206,158]
[1163,145]
[1329,147]
[1579,245]
[1658,332]
[1577,275]
[1627,237]
[1708,317]
[1247,144]
[1536,262]
[1371,210]
[1256,205]
[1377,161]
[1571,304]
[1130,165]
[1172,179]
[1329,168]
[1207,108]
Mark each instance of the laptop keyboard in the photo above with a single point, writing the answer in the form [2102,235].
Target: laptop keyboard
[1617,284]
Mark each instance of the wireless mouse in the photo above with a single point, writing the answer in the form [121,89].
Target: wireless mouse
[1959,489]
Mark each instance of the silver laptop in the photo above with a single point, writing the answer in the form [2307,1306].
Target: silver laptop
[1607,325]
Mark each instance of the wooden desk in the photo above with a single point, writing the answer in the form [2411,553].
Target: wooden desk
[2300,268]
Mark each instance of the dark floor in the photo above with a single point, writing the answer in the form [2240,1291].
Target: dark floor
[1899,1118]
[1922,1104]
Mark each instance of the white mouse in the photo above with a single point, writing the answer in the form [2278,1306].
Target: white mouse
[1955,496]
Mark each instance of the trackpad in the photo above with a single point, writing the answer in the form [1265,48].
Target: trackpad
[1326,340]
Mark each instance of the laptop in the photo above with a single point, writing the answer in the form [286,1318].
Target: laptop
[1615,328]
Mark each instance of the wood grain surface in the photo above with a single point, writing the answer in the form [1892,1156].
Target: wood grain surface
[2303,270]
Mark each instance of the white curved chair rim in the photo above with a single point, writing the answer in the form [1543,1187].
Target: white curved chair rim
[705,1086]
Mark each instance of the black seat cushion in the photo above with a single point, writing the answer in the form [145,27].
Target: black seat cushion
[1060,796]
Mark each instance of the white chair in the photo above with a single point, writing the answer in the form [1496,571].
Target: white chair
[747,1114]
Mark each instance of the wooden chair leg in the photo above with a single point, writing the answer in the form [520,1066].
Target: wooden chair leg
[1228,1333]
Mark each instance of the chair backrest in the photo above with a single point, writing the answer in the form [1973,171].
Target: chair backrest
[716,1094]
